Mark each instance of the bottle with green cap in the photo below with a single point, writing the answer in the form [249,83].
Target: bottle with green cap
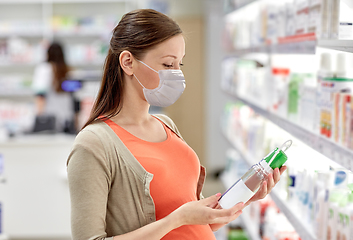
[277,157]
[246,187]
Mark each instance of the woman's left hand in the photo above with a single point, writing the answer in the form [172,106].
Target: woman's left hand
[265,189]
[267,185]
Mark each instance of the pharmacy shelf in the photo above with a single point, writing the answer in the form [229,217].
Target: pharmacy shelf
[241,5]
[298,44]
[234,6]
[325,146]
[86,64]
[340,45]
[28,95]
[253,233]
[59,1]
[17,64]
[29,34]
[293,218]
[82,33]
[305,45]
[300,226]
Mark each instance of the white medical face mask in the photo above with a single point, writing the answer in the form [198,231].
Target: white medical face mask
[171,86]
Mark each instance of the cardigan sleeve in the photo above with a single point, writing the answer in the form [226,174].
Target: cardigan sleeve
[89,179]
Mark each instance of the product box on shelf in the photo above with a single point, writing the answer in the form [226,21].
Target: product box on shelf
[333,105]
[279,82]
[294,96]
[346,121]
[314,18]
[334,18]
[346,20]
[290,19]
[302,16]
[307,103]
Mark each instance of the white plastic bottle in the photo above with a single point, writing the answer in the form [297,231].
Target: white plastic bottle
[246,187]
[325,71]
[321,205]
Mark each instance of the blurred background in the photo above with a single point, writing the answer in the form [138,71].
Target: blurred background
[258,72]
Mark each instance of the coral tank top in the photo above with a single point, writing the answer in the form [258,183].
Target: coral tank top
[175,168]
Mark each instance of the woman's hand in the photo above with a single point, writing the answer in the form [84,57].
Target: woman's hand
[268,185]
[202,212]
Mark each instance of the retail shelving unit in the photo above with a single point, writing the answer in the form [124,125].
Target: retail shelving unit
[341,45]
[239,4]
[335,152]
[37,25]
[249,229]
[305,44]
[298,44]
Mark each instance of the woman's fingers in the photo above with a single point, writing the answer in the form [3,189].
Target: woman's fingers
[227,215]
[261,193]
[228,218]
[211,201]
[276,175]
[282,169]
[270,183]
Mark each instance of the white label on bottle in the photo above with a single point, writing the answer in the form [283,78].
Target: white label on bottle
[237,193]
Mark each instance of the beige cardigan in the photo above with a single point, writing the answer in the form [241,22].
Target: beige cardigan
[109,188]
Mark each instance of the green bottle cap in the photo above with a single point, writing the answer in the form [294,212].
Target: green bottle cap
[277,157]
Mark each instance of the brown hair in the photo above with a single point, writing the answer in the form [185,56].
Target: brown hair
[56,58]
[137,32]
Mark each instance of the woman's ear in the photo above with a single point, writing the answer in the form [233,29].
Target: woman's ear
[126,59]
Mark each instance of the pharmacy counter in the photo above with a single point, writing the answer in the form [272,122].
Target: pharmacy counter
[34,195]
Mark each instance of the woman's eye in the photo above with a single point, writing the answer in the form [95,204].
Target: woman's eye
[181,64]
[167,65]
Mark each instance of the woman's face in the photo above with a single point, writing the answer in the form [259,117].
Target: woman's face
[166,55]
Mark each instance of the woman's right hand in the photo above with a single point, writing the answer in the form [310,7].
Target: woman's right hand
[201,212]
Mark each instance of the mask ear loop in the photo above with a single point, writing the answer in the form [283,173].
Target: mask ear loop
[138,81]
[147,66]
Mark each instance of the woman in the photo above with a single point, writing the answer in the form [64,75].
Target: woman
[51,100]
[131,175]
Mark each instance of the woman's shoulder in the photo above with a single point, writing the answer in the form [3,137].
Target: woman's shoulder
[168,122]
[164,118]
[94,132]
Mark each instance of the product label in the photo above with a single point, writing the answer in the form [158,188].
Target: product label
[341,176]
[239,192]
